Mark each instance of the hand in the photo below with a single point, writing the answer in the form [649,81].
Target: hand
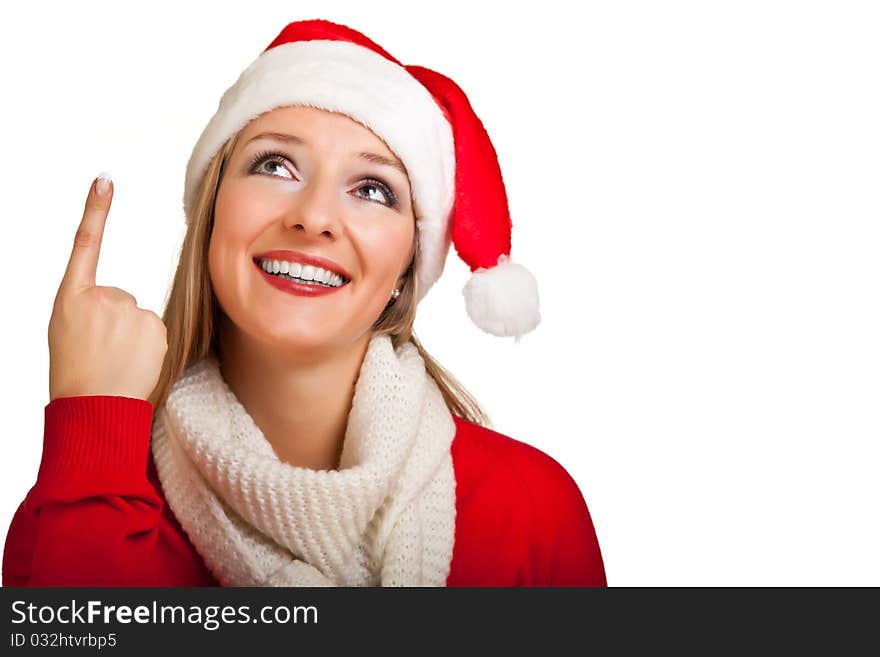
[100,342]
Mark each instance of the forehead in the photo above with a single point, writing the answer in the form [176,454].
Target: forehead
[310,123]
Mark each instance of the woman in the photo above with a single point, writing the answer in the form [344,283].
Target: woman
[301,435]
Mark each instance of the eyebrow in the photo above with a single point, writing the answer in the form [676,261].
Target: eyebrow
[375,158]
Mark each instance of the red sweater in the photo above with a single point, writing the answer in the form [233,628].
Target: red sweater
[96,515]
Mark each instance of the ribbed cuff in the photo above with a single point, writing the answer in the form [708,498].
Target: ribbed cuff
[97,436]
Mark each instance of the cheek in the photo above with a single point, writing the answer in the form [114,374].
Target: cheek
[240,216]
[240,210]
[386,250]
[220,272]
[235,227]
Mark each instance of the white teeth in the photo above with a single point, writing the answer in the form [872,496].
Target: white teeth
[304,272]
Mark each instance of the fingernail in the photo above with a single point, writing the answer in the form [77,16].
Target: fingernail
[102,186]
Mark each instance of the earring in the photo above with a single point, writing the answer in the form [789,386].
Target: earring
[395,293]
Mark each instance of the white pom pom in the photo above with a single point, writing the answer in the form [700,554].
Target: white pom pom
[503,300]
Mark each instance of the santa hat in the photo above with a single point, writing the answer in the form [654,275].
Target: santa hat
[427,121]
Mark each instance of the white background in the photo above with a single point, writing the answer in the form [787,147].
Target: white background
[695,186]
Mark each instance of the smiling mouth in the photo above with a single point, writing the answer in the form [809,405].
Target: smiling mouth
[297,279]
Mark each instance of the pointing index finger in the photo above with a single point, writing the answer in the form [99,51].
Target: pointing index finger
[83,264]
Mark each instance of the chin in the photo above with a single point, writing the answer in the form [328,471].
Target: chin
[296,338]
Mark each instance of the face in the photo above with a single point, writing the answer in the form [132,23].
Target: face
[315,195]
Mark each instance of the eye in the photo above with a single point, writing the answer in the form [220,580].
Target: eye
[266,156]
[372,183]
[272,157]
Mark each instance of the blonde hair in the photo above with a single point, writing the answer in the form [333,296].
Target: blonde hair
[192,312]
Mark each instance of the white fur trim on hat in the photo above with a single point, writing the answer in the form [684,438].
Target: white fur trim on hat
[340,76]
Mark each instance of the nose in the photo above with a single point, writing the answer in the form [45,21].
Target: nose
[315,211]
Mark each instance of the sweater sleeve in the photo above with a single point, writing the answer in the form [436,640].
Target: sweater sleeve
[564,543]
[91,518]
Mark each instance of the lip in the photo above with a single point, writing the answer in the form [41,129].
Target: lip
[299,289]
[304,258]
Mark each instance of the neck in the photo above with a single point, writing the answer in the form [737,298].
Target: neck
[300,404]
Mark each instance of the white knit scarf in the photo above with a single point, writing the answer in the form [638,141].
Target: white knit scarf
[386,517]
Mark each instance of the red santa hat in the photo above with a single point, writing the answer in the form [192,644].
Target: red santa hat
[427,121]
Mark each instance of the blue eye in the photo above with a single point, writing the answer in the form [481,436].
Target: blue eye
[265,157]
[378,184]
[277,158]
